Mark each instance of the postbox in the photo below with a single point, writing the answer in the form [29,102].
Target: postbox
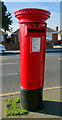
[32,23]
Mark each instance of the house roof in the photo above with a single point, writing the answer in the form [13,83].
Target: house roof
[48,30]
[15,32]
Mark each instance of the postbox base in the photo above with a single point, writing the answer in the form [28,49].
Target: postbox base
[31,99]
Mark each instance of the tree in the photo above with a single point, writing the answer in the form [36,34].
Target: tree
[6,18]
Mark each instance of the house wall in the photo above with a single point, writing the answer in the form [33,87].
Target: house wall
[61,34]
[55,38]
[1,38]
[49,36]
[61,37]
[15,41]
[11,46]
[5,38]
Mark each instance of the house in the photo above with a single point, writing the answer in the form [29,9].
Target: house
[55,36]
[51,37]
[1,35]
[60,35]
[6,41]
[49,33]
[15,39]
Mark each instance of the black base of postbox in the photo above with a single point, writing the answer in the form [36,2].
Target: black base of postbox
[31,99]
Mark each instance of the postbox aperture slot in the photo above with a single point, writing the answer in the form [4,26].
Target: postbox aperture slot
[36,30]
[36,43]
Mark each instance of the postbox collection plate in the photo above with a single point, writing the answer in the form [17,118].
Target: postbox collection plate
[36,41]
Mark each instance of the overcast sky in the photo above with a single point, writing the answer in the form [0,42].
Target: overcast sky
[53,7]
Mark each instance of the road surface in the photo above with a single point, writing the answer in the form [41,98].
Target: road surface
[11,74]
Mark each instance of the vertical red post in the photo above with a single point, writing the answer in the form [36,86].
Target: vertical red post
[32,55]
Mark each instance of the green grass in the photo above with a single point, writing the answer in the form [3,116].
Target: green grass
[13,107]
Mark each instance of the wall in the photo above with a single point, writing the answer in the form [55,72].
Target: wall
[49,35]
[55,38]
[10,46]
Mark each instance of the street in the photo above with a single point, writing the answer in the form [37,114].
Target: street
[11,75]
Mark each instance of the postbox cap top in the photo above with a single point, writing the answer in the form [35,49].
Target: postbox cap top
[32,12]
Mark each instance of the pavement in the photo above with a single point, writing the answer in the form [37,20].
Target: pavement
[52,100]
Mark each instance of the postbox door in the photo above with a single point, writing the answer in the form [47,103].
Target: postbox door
[37,61]
[33,60]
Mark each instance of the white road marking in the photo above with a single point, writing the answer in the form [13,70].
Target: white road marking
[9,74]
[9,63]
[4,58]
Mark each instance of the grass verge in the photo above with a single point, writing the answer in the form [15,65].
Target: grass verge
[13,107]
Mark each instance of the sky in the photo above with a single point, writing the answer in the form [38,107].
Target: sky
[61,16]
[53,7]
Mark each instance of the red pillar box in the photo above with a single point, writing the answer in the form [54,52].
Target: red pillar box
[32,55]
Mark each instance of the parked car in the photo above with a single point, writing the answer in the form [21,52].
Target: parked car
[2,48]
[60,42]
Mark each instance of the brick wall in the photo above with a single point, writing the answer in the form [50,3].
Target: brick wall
[55,38]
[10,46]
